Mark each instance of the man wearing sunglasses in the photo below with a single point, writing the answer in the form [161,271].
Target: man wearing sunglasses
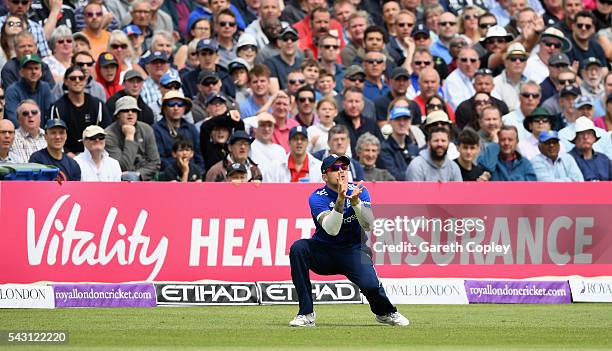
[95,163]
[584,44]
[20,8]
[458,86]
[314,27]
[78,109]
[225,30]
[448,30]
[341,212]
[556,64]
[507,83]
[286,61]
[98,36]
[29,137]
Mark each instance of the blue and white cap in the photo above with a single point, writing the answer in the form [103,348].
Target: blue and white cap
[298,130]
[331,159]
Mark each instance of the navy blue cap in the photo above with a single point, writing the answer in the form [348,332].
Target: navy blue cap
[204,75]
[591,60]
[420,29]
[213,97]
[298,130]
[288,30]
[547,135]
[239,135]
[235,167]
[52,123]
[570,90]
[107,59]
[155,56]
[207,44]
[331,159]
[399,112]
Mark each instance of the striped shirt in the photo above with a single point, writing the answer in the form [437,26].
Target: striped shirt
[25,145]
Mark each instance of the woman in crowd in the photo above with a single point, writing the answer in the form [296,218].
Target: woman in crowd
[468,23]
[317,133]
[436,102]
[200,29]
[11,27]
[119,45]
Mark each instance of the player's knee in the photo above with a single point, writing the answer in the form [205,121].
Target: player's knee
[299,247]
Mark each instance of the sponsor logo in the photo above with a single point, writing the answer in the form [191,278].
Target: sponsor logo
[104,295]
[26,296]
[591,290]
[425,291]
[517,291]
[207,294]
[322,292]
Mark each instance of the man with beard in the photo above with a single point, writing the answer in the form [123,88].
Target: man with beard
[433,164]
[592,74]
[314,27]
[503,161]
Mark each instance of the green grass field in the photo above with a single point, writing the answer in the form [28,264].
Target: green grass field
[339,327]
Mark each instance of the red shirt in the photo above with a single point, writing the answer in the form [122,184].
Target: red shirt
[306,36]
[419,100]
[295,175]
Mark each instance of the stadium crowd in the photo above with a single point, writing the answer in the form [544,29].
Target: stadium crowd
[261,90]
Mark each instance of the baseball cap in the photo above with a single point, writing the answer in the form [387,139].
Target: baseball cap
[331,159]
[207,44]
[582,101]
[420,29]
[126,103]
[399,112]
[237,63]
[131,74]
[213,97]
[107,59]
[288,30]
[92,131]
[29,58]
[570,90]
[239,135]
[157,56]
[559,58]
[132,29]
[399,72]
[437,116]
[207,75]
[246,39]
[80,36]
[235,168]
[298,130]
[548,135]
[354,70]
[170,77]
[55,122]
[265,117]
[516,49]
[590,61]
[483,72]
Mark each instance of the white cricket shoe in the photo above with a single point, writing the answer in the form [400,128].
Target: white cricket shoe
[303,320]
[394,318]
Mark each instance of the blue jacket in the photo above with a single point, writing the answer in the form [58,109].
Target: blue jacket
[164,142]
[521,169]
[355,168]
[19,91]
[393,156]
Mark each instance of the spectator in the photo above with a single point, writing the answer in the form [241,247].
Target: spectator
[237,173]
[141,14]
[84,60]
[208,57]
[7,137]
[584,44]
[429,86]
[496,44]
[247,49]
[120,46]
[368,149]
[214,134]
[529,98]
[312,28]
[469,148]
[570,9]
[11,27]
[605,122]
[239,148]
[401,45]
[594,165]
[239,71]
[299,165]
[354,76]
[280,110]
[550,165]
[53,154]
[328,58]
[268,9]
[286,61]
[11,71]
[466,114]
[62,49]
[183,169]
[557,63]
[552,44]
[399,83]
[97,35]
[535,123]
[592,73]
[21,9]
[78,110]
[422,40]
[156,64]
[136,38]
[503,161]
[338,144]
[420,60]
[225,30]
[77,20]
[507,83]
[318,132]
[357,24]
[583,107]
[305,98]
[433,164]
[489,123]
[343,9]
[204,105]
[352,117]
[132,143]
[95,164]
[458,87]
[400,148]
[567,97]
[200,29]
[170,81]
[29,137]
[375,84]
[439,118]
[448,30]
[132,86]
[264,152]
[30,86]
[272,28]
[174,107]
[108,72]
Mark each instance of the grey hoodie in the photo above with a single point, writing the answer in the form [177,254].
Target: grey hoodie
[423,168]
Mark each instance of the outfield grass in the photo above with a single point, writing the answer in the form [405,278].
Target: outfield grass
[339,327]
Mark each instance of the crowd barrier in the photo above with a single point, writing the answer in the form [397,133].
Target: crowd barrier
[431,243]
